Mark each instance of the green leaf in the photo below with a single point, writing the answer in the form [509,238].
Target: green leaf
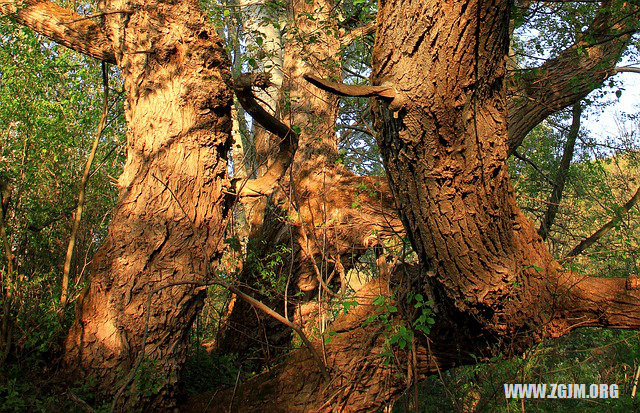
[379,300]
[329,336]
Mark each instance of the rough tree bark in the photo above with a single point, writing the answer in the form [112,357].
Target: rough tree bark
[444,140]
[169,222]
[312,215]
[445,143]
[168,225]
[321,184]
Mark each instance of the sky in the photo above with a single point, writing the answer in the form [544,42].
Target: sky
[603,123]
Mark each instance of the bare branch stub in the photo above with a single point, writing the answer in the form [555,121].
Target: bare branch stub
[341,89]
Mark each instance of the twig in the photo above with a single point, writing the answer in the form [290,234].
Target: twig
[235,387]
[261,306]
[81,403]
[82,193]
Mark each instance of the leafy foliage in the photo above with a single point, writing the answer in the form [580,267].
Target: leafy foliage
[49,107]
[50,103]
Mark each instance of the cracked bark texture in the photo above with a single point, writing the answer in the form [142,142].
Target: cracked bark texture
[312,214]
[319,183]
[445,143]
[169,221]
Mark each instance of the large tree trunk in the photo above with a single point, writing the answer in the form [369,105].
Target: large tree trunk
[169,223]
[323,215]
[318,181]
[444,141]
[134,318]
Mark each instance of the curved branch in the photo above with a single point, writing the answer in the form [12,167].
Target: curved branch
[586,243]
[62,26]
[341,89]
[573,74]
[288,137]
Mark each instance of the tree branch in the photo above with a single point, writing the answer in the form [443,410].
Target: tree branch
[62,26]
[586,243]
[573,74]
[366,30]
[341,89]
[288,137]
[561,174]
[627,69]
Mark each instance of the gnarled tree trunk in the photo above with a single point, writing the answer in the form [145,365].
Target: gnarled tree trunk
[169,223]
[168,226]
[445,144]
